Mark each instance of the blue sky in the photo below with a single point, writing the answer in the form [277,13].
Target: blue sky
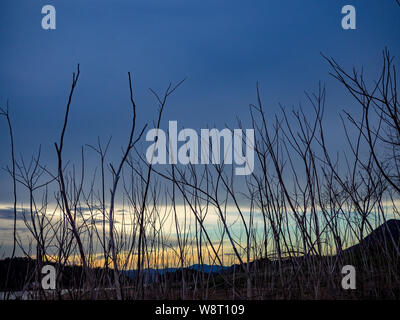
[222,47]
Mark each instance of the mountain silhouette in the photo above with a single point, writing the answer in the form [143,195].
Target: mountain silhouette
[387,234]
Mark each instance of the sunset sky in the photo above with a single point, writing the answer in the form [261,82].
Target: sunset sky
[222,47]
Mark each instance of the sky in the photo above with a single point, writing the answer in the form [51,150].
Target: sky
[222,48]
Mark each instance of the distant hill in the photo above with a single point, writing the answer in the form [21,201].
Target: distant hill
[208,268]
[152,273]
[385,235]
[22,270]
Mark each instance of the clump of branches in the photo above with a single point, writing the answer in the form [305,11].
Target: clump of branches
[200,232]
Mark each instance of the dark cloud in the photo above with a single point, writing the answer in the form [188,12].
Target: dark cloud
[4,229]
[100,221]
[8,214]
